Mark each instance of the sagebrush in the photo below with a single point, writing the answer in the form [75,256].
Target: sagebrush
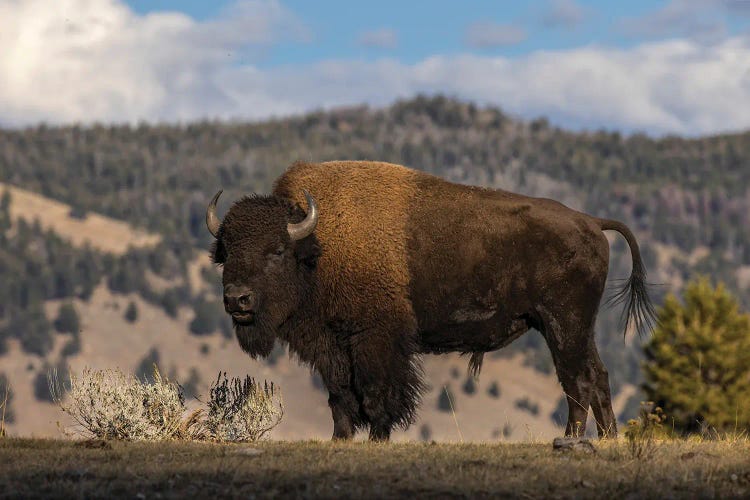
[108,404]
[242,410]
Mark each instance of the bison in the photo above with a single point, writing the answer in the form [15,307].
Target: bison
[388,263]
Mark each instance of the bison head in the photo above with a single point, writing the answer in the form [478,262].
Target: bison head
[268,252]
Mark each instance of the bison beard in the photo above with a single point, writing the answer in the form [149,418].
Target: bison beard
[257,340]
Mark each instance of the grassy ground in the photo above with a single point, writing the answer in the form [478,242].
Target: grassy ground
[55,469]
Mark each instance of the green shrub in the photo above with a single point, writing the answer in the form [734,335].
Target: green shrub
[698,360]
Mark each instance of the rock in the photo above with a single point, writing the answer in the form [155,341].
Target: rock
[576,445]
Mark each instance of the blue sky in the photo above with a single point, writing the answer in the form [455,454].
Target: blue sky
[661,67]
[423,28]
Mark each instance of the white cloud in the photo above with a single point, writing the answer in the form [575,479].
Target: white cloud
[383,38]
[95,60]
[700,20]
[489,35]
[82,60]
[563,13]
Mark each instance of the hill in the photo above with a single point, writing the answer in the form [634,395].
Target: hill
[138,194]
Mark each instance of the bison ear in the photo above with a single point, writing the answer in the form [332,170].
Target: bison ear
[218,252]
[307,252]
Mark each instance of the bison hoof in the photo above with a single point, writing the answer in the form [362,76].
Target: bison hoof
[574,444]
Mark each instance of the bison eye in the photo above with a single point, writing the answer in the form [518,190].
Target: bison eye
[279,250]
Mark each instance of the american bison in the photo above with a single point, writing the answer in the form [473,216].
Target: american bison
[388,263]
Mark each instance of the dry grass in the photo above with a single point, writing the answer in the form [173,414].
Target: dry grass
[271,469]
[101,232]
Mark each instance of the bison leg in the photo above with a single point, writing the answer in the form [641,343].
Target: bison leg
[336,375]
[373,404]
[388,377]
[578,387]
[342,404]
[572,347]
[602,400]
[342,401]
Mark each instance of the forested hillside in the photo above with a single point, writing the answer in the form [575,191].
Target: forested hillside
[688,201]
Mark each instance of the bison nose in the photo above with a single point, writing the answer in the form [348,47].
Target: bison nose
[238,299]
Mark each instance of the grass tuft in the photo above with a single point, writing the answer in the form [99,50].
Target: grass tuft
[3,408]
[644,432]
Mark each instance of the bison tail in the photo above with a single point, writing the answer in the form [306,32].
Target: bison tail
[638,309]
[475,364]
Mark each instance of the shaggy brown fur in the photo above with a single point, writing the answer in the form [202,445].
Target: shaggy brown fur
[403,263]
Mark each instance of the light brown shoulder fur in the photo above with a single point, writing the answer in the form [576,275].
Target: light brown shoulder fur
[364,254]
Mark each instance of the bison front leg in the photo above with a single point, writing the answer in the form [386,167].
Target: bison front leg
[343,403]
[341,399]
[388,378]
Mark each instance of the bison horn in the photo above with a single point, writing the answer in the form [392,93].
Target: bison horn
[306,227]
[212,221]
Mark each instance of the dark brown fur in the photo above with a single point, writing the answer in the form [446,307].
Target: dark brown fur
[403,263]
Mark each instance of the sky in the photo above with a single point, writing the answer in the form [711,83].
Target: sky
[654,66]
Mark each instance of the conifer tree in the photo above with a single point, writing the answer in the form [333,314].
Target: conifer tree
[67,319]
[698,360]
[131,313]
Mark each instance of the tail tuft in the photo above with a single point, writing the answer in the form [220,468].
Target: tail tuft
[475,364]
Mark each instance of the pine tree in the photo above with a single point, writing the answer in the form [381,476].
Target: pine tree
[41,384]
[698,361]
[206,317]
[446,400]
[469,386]
[145,368]
[67,319]
[33,330]
[131,313]
[494,389]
